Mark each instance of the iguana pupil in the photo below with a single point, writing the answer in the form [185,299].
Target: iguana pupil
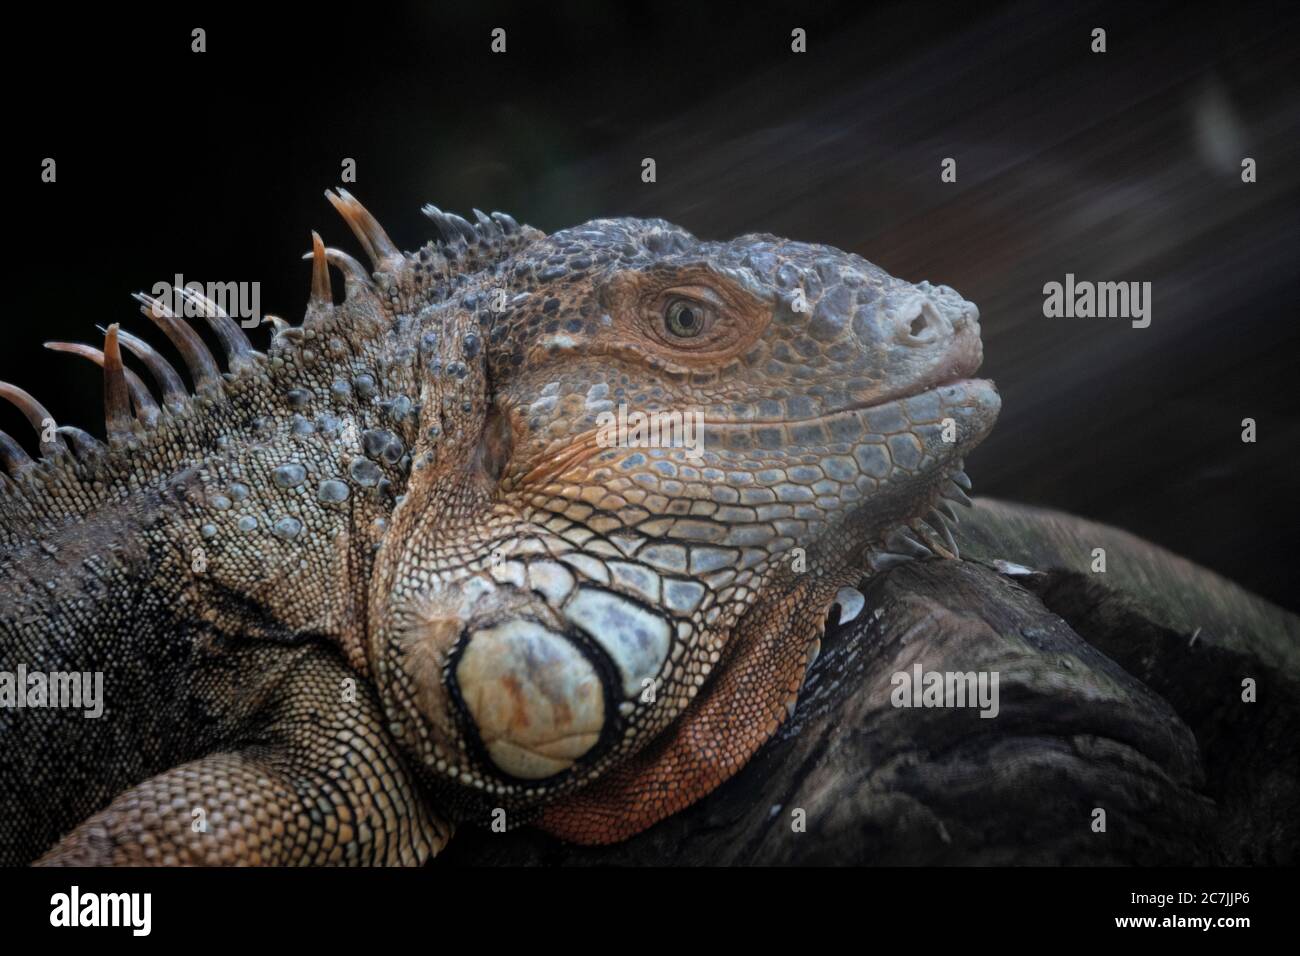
[683,320]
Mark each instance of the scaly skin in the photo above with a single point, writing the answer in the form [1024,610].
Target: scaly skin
[389,577]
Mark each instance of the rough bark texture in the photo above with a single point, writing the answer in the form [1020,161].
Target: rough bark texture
[1105,702]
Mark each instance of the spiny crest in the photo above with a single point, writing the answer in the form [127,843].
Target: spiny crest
[395,282]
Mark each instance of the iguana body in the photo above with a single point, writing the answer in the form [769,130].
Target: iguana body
[389,577]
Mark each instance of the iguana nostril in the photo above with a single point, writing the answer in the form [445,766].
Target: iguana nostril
[926,325]
[537,702]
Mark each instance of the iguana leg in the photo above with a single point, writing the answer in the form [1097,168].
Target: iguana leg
[317,782]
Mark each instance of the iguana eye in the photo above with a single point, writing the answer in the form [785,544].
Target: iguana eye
[686,318]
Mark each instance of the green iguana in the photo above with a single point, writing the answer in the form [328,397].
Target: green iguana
[400,572]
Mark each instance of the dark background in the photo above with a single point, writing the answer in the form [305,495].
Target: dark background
[1121,166]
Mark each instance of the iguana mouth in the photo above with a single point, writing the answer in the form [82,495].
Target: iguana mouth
[970,385]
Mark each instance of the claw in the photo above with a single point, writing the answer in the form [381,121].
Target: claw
[902,542]
[947,510]
[884,560]
[936,521]
[954,493]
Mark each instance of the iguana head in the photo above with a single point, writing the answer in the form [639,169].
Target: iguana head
[645,465]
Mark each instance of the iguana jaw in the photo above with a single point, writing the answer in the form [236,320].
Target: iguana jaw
[910,517]
[914,510]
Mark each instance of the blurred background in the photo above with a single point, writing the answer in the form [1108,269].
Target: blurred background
[1120,166]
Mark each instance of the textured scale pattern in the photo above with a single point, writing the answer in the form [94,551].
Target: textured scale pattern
[339,795]
[391,575]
